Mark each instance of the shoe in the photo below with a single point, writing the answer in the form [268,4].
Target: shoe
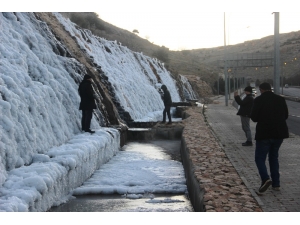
[264,186]
[247,143]
[162,122]
[169,123]
[90,131]
[276,188]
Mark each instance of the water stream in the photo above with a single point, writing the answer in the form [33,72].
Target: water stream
[147,202]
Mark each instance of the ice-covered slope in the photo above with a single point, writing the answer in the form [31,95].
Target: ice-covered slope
[38,85]
[39,101]
[38,94]
[134,77]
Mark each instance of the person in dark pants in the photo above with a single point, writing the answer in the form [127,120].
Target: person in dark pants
[244,112]
[270,112]
[87,103]
[168,103]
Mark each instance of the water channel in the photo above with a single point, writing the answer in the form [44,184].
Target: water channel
[166,151]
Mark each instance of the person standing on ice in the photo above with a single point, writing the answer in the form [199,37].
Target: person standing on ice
[168,103]
[87,103]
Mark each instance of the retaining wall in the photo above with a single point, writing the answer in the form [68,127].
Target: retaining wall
[214,184]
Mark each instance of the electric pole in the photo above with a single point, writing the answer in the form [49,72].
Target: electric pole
[225,65]
[276,79]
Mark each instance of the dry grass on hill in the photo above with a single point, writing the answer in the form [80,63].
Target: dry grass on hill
[204,62]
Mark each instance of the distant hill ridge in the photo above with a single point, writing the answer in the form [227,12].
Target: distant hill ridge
[200,62]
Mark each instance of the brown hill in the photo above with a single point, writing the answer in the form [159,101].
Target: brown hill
[205,62]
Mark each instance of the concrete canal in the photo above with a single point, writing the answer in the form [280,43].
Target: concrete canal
[146,176]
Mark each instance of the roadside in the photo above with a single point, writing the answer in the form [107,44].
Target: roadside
[222,187]
[227,127]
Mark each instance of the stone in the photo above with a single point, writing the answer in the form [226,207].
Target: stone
[224,189]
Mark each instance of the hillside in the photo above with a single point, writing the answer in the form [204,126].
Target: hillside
[45,154]
[205,62]
[43,59]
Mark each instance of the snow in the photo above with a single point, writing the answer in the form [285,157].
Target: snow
[136,171]
[39,99]
[48,181]
[44,155]
[187,88]
[130,73]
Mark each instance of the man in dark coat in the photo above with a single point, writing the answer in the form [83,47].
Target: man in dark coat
[244,112]
[168,103]
[270,112]
[87,103]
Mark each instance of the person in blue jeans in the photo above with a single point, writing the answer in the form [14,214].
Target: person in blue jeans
[270,112]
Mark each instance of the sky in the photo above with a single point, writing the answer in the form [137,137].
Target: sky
[188,28]
[189,24]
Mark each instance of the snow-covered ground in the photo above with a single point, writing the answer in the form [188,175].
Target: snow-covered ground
[50,178]
[44,155]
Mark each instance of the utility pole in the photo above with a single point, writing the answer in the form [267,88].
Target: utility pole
[225,65]
[276,54]
[234,84]
[229,86]
[218,84]
[282,78]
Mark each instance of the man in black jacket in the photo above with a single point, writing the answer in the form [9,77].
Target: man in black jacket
[270,112]
[244,112]
[168,103]
[87,103]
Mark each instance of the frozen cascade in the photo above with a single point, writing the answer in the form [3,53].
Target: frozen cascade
[187,88]
[131,74]
[43,153]
[39,99]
